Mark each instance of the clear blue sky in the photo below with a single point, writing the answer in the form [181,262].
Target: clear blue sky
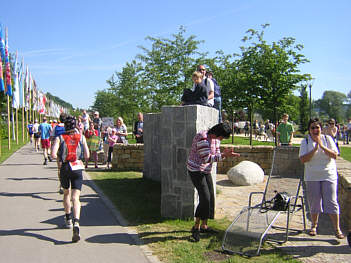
[73,46]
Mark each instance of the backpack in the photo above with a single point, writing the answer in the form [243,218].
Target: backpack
[59,130]
[71,148]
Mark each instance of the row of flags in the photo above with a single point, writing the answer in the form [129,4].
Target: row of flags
[24,90]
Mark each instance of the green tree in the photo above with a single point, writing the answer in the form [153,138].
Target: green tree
[332,105]
[168,66]
[129,92]
[274,70]
[105,103]
[304,108]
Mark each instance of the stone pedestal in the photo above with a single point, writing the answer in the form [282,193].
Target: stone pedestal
[178,126]
[152,146]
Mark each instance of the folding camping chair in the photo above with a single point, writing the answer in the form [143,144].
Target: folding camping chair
[261,222]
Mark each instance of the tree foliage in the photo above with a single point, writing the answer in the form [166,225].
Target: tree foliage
[168,66]
[261,78]
[59,101]
[304,108]
[332,105]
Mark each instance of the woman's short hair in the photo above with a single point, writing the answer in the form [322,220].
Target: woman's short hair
[314,120]
[222,129]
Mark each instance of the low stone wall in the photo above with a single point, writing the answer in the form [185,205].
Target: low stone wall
[286,159]
[131,157]
[128,157]
[344,190]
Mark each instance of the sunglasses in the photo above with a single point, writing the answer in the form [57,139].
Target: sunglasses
[202,69]
[314,127]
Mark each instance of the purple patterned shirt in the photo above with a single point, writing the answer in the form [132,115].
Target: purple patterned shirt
[204,151]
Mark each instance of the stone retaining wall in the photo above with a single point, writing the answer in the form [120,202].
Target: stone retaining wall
[128,157]
[131,157]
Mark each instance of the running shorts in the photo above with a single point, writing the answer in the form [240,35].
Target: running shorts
[45,143]
[69,178]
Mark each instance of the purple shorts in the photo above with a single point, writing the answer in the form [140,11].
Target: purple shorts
[322,197]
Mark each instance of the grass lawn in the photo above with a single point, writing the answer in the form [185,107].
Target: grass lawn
[138,200]
[5,152]
[239,140]
[345,153]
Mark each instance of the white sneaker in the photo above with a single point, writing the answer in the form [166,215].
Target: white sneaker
[68,223]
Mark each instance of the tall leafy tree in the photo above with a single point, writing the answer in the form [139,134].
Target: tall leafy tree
[128,92]
[304,108]
[168,66]
[332,104]
[105,103]
[271,71]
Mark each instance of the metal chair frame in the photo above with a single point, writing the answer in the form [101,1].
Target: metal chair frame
[265,207]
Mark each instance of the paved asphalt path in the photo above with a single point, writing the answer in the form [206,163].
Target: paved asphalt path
[32,219]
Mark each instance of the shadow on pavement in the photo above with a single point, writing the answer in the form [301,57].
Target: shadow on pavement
[122,238]
[33,195]
[28,233]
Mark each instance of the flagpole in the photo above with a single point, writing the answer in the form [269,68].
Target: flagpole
[23,124]
[13,123]
[16,126]
[8,122]
[27,123]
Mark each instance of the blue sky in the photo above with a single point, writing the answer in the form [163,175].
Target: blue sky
[72,46]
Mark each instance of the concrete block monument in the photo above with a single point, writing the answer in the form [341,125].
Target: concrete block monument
[178,126]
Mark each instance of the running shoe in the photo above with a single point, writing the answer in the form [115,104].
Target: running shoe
[76,235]
[45,162]
[68,223]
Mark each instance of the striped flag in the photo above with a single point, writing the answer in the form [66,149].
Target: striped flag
[16,93]
[2,56]
[2,86]
[2,43]
[8,87]
[21,85]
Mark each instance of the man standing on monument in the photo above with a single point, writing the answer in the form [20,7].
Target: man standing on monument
[208,83]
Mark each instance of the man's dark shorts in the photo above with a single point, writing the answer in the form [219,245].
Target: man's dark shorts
[69,178]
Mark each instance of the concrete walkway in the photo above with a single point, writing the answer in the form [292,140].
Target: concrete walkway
[31,219]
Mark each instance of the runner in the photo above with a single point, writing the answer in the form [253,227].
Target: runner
[30,131]
[36,135]
[59,130]
[69,148]
[45,130]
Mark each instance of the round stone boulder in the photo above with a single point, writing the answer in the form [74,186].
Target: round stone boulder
[246,173]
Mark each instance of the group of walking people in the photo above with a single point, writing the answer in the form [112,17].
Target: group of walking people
[71,141]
